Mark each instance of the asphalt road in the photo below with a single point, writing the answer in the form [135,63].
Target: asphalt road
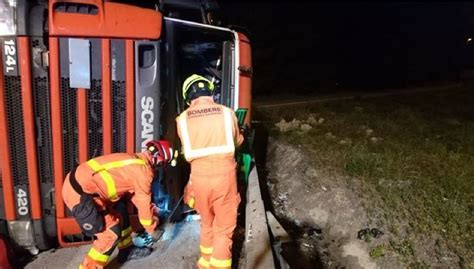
[289,100]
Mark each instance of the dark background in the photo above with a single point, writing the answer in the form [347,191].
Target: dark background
[327,47]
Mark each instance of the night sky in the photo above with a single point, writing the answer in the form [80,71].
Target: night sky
[324,47]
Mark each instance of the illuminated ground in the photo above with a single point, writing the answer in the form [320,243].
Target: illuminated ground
[178,248]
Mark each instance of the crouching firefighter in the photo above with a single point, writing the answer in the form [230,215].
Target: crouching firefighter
[209,134]
[95,192]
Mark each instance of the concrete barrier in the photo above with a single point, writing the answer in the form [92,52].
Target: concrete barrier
[257,246]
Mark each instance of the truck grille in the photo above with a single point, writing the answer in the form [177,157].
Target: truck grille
[40,86]
[69,124]
[118,116]
[15,129]
[94,96]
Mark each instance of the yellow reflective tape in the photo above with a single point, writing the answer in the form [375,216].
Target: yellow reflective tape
[80,266]
[109,181]
[122,163]
[220,263]
[94,165]
[205,250]
[97,256]
[146,222]
[191,202]
[125,242]
[127,231]
[203,262]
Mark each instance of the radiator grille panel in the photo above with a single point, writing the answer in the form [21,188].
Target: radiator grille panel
[118,116]
[43,119]
[94,96]
[16,130]
[42,106]
[69,122]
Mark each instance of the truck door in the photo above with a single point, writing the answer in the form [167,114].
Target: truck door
[194,48]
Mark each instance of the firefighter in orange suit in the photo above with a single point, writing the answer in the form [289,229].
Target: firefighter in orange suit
[209,134]
[93,191]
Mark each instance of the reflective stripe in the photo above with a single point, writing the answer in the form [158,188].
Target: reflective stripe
[127,231]
[146,222]
[220,263]
[117,164]
[125,242]
[97,256]
[109,181]
[106,177]
[203,262]
[80,266]
[190,153]
[205,250]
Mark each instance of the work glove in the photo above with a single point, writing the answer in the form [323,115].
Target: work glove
[189,195]
[143,240]
[243,129]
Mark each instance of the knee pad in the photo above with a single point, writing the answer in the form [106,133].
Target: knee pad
[88,216]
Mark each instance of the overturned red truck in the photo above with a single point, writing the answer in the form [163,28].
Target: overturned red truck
[81,78]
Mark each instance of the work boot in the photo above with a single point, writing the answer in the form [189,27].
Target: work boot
[132,253]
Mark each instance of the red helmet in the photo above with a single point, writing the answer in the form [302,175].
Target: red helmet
[161,151]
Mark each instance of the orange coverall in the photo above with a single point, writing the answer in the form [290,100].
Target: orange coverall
[209,133]
[108,178]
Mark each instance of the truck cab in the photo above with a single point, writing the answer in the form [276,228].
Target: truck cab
[82,78]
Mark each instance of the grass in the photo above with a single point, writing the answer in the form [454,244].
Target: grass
[417,163]
[377,252]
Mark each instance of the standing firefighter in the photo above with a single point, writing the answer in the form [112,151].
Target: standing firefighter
[209,134]
[95,190]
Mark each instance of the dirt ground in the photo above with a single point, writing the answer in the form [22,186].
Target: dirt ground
[178,248]
[322,214]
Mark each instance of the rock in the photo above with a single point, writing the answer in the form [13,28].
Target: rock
[375,139]
[346,141]
[321,120]
[306,127]
[282,126]
[311,120]
[311,172]
[368,132]
[330,136]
